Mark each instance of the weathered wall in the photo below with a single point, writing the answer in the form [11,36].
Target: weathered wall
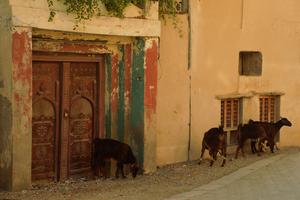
[15,103]
[219,31]
[5,97]
[22,107]
[130,95]
[130,85]
[129,26]
[173,94]
[150,103]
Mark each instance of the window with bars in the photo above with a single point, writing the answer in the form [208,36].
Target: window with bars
[268,108]
[229,113]
[230,118]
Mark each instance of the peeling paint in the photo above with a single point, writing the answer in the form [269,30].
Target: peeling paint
[22,75]
[114,95]
[5,142]
[151,64]
[127,89]
[114,85]
[64,47]
[121,96]
[21,57]
[137,100]
[21,107]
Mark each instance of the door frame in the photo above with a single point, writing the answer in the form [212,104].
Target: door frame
[62,164]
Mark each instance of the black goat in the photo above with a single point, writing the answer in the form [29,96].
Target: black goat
[272,130]
[112,149]
[250,131]
[214,141]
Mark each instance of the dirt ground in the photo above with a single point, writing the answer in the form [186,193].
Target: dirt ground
[165,182]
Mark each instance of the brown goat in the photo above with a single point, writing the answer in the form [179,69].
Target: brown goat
[250,131]
[272,130]
[214,141]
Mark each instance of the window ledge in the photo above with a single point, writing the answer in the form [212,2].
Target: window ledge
[248,95]
[234,96]
[274,93]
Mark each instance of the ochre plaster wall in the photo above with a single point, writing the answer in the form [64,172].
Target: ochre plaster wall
[173,94]
[220,30]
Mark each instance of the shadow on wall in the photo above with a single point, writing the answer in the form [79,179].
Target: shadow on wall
[5,141]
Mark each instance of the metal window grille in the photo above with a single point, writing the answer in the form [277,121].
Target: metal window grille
[230,113]
[267,108]
[230,117]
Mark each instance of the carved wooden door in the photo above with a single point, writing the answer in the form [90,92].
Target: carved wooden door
[45,120]
[65,117]
[82,110]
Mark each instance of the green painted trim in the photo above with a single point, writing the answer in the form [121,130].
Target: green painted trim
[108,96]
[121,100]
[137,100]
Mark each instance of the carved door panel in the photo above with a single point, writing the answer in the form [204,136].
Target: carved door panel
[82,109]
[45,120]
[65,117]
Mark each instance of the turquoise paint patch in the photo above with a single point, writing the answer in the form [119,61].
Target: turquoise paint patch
[107,96]
[121,98]
[137,100]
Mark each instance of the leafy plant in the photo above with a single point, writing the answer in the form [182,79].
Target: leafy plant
[86,9]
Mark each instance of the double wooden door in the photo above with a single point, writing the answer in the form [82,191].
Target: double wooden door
[65,117]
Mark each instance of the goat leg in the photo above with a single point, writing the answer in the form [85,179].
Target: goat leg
[259,147]
[237,151]
[201,156]
[223,156]
[277,148]
[118,170]
[253,146]
[214,157]
[122,171]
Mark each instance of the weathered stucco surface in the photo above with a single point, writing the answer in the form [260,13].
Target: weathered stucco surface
[5,97]
[219,31]
[173,94]
[39,14]
[150,103]
[22,107]
[102,35]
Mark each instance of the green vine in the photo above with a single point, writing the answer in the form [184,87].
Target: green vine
[86,9]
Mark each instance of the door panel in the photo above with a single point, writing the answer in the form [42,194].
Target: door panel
[81,129]
[44,120]
[83,95]
[65,111]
